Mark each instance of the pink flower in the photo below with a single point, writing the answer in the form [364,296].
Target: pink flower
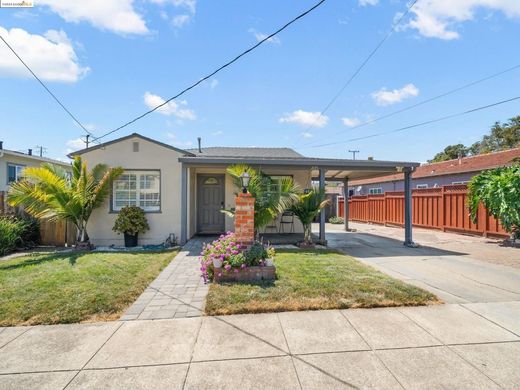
[227,267]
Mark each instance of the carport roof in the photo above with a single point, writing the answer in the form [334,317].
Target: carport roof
[335,169]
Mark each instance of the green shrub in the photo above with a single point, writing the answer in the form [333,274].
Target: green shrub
[9,235]
[255,254]
[131,220]
[336,220]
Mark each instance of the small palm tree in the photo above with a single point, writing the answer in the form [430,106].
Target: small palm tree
[271,198]
[307,208]
[48,192]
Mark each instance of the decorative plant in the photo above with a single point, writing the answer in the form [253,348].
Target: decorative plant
[270,199]
[131,220]
[307,208]
[256,254]
[499,191]
[48,192]
[336,220]
[224,250]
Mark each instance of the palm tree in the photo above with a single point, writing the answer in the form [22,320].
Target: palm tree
[48,192]
[271,198]
[307,208]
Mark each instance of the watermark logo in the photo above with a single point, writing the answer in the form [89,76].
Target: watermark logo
[16,4]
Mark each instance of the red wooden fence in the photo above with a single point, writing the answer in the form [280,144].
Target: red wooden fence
[442,208]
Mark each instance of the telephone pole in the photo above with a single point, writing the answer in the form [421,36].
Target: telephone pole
[42,149]
[353,153]
[86,140]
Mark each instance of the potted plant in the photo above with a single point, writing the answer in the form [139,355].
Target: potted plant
[131,221]
[269,261]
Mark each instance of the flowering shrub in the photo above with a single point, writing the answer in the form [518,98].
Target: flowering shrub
[227,251]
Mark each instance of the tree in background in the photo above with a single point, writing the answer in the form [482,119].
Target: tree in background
[499,191]
[47,192]
[450,152]
[503,136]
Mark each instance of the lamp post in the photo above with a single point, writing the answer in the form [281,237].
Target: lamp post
[244,178]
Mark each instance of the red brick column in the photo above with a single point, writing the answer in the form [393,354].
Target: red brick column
[245,219]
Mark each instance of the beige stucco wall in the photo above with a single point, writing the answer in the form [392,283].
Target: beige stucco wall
[149,156]
[26,161]
[301,178]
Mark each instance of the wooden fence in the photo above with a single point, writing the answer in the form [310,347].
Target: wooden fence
[57,233]
[442,208]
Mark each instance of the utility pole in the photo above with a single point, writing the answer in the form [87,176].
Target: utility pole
[353,153]
[86,140]
[42,149]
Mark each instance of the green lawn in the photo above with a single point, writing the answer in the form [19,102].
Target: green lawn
[74,287]
[312,280]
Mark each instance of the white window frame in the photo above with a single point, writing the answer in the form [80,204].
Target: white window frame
[137,193]
[375,191]
[454,183]
[421,186]
[18,169]
[276,180]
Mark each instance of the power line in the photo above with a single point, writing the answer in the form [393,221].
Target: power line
[458,89]
[215,71]
[360,67]
[45,87]
[418,124]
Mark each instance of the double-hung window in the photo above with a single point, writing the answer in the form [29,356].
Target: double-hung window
[375,191]
[137,188]
[14,172]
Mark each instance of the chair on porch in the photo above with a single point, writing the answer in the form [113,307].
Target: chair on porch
[287,220]
[272,226]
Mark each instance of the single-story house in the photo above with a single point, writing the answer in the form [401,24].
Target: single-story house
[183,190]
[457,171]
[12,164]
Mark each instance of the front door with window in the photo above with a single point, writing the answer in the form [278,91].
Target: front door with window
[210,200]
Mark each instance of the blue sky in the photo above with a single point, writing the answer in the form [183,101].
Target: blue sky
[108,62]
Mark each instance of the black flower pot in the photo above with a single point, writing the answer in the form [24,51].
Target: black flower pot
[130,240]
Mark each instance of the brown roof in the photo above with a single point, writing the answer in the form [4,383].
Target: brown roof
[466,164]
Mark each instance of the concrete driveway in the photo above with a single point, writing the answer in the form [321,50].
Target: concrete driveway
[457,268]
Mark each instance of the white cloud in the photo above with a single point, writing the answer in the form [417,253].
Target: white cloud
[260,36]
[351,122]
[307,134]
[115,15]
[364,3]
[217,133]
[180,20]
[386,98]
[189,5]
[439,18]
[305,118]
[51,56]
[175,141]
[213,83]
[171,108]
[74,144]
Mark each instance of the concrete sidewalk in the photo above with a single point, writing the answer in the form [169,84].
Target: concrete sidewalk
[445,346]
[457,268]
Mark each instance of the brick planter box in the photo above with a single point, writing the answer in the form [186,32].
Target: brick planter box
[250,274]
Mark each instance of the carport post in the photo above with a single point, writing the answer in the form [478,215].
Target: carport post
[322,212]
[345,203]
[184,204]
[408,208]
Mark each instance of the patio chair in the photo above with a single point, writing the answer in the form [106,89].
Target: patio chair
[271,226]
[287,221]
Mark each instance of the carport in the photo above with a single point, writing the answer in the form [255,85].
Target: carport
[322,170]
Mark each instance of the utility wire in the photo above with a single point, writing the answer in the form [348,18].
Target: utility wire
[215,71]
[418,124]
[362,65]
[377,119]
[46,88]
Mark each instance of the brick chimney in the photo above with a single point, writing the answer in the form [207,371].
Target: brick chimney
[245,219]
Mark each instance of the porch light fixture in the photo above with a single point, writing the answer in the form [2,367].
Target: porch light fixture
[244,178]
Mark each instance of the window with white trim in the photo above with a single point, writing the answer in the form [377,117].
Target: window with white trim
[137,188]
[14,172]
[459,182]
[375,191]
[419,186]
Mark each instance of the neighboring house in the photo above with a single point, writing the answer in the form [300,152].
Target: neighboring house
[183,191]
[12,164]
[458,171]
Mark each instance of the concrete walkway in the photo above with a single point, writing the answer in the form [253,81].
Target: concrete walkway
[457,268]
[444,346]
[177,292]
